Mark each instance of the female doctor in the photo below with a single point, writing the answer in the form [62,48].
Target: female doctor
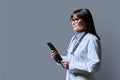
[84,52]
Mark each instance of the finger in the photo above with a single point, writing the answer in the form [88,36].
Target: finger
[53,51]
[64,66]
[53,55]
[63,61]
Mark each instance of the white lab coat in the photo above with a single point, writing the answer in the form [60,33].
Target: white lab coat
[86,59]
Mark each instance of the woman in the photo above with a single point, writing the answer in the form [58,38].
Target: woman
[84,52]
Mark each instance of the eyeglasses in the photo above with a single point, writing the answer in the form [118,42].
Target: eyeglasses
[75,20]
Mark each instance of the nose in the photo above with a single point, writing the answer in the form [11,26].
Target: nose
[73,23]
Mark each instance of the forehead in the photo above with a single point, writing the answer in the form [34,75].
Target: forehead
[74,16]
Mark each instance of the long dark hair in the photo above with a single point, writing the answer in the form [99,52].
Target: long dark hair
[85,14]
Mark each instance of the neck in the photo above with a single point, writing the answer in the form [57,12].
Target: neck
[79,32]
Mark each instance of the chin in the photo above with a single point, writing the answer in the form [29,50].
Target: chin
[76,29]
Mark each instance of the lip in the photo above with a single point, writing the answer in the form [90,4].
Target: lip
[74,26]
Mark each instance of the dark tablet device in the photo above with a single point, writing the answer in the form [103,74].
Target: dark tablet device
[52,47]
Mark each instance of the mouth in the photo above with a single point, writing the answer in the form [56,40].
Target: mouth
[74,26]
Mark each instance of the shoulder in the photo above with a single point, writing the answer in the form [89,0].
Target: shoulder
[91,37]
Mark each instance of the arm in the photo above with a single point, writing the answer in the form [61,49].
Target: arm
[93,61]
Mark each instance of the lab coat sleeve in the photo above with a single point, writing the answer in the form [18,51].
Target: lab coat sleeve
[93,62]
[64,57]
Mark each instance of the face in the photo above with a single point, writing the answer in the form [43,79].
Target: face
[78,24]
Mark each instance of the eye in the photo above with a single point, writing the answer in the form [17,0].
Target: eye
[75,19]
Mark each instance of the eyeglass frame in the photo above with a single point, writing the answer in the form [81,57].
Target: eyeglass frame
[75,20]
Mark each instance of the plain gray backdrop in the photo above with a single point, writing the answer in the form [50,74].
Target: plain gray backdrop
[26,26]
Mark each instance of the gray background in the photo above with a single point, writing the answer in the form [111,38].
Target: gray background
[26,26]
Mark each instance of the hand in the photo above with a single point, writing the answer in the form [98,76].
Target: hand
[65,64]
[54,54]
